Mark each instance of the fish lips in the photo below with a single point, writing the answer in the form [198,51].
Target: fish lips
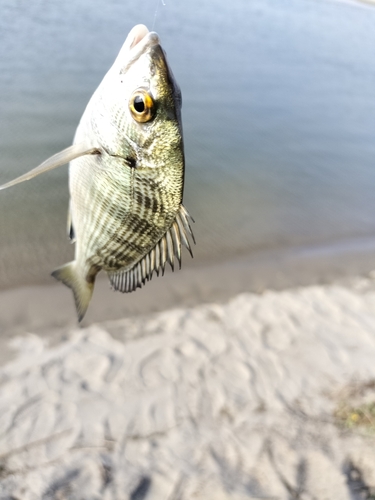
[138,42]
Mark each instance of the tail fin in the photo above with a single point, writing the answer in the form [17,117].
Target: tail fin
[82,289]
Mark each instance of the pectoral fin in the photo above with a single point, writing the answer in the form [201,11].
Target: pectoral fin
[65,156]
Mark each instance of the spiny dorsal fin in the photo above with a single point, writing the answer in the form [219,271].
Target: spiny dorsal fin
[57,160]
[166,249]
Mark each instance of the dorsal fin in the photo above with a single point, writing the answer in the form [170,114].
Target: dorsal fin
[166,249]
[57,160]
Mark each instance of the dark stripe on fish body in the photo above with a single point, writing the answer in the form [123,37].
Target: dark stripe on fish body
[125,246]
[125,253]
[148,199]
[152,184]
[153,205]
[140,226]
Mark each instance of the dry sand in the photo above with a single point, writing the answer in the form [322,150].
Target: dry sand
[236,400]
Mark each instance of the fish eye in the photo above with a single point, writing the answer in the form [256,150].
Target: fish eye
[142,106]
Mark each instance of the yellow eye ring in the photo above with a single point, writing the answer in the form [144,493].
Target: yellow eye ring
[142,106]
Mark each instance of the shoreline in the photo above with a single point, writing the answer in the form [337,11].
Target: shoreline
[353,250]
[49,312]
[50,305]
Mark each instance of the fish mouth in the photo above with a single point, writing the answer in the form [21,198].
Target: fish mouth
[148,42]
[141,45]
[142,37]
[138,42]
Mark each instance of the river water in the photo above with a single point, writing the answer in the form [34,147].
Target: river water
[278,112]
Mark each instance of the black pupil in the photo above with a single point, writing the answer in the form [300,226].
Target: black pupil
[139,104]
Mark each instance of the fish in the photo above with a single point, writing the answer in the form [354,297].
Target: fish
[126,175]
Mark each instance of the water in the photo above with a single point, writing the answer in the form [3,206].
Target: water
[279,119]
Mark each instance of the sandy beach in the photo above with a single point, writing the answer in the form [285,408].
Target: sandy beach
[257,395]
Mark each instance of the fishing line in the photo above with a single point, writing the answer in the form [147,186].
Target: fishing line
[156,12]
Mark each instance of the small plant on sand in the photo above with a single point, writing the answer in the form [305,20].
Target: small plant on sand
[356,409]
[360,417]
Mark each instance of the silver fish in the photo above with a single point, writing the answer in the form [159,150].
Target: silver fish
[126,175]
